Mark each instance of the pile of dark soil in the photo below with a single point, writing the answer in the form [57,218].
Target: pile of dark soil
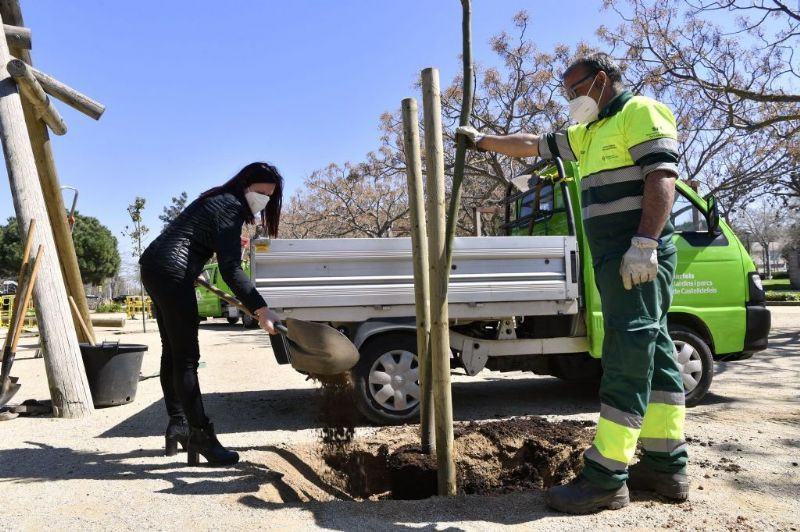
[517,454]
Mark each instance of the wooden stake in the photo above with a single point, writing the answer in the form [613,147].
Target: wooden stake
[17,37]
[419,244]
[440,332]
[36,96]
[48,179]
[69,389]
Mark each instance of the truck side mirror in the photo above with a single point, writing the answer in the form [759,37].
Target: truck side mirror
[712,214]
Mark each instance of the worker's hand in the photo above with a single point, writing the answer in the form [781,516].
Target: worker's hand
[640,262]
[268,319]
[472,136]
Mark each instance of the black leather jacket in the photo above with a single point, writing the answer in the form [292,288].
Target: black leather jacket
[206,226]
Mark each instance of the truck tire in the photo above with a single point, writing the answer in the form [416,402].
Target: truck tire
[386,379]
[694,361]
[248,322]
[232,319]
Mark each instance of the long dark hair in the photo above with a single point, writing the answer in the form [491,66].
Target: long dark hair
[255,173]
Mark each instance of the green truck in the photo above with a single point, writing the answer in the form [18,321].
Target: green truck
[525,301]
[211,306]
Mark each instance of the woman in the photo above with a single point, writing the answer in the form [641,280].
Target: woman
[171,263]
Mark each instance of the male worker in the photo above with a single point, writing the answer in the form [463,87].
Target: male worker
[626,147]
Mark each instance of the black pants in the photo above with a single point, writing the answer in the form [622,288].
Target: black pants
[175,306]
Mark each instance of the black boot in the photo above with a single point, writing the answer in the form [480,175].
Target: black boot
[673,486]
[582,497]
[202,440]
[177,432]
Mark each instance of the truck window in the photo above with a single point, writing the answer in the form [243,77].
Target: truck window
[545,210]
[686,217]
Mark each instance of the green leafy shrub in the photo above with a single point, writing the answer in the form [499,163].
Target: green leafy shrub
[110,306]
[783,296]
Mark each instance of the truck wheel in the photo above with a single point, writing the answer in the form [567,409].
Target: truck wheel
[386,379]
[232,319]
[694,361]
[248,322]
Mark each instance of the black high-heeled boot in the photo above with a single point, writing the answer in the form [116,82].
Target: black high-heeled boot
[177,432]
[202,440]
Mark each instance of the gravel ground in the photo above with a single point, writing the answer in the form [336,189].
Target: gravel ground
[107,471]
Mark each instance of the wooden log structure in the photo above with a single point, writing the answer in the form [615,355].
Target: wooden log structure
[437,255]
[68,95]
[34,93]
[419,244]
[48,179]
[69,389]
[17,37]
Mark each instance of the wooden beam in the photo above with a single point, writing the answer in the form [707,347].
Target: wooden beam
[48,178]
[440,327]
[68,95]
[419,253]
[69,389]
[36,96]
[17,37]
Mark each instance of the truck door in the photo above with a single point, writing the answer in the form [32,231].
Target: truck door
[710,283]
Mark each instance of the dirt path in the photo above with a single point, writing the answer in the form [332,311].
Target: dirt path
[107,471]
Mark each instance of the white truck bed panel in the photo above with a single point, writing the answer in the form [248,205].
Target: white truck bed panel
[358,278]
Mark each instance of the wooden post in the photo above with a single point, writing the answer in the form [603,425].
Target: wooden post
[440,332]
[17,37]
[419,243]
[48,179]
[36,97]
[68,95]
[69,389]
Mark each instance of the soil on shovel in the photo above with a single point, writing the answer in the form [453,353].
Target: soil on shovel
[517,454]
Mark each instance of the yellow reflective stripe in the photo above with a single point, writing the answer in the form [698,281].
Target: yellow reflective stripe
[615,441]
[663,421]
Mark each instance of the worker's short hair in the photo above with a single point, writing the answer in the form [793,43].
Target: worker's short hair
[597,62]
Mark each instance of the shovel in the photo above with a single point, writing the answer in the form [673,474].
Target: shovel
[9,386]
[314,348]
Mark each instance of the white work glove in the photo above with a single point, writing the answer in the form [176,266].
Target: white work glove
[268,319]
[472,135]
[640,262]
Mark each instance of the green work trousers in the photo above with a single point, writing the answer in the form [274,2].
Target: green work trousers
[641,393]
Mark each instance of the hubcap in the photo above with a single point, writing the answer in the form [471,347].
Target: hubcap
[691,365]
[394,380]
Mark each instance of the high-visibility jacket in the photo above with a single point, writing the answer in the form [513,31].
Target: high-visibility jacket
[633,136]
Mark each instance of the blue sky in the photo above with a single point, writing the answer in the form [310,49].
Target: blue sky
[194,92]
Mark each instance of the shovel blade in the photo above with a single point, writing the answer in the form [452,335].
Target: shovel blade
[318,349]
[9,389]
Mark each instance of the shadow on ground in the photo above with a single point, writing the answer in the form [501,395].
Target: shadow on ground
[296,409]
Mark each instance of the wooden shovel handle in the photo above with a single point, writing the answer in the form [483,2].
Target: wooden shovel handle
[82,323]
[25,258]
[26,297]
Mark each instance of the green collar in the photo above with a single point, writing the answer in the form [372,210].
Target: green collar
[615,105]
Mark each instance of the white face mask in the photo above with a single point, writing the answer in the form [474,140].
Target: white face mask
[584,109]
[256,201]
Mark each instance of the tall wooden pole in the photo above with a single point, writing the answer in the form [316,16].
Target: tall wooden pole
[440,332]
[66,376]
[422,291]
[48,178]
